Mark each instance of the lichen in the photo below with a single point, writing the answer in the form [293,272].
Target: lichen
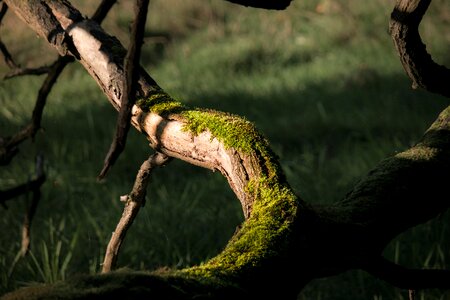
[419,153]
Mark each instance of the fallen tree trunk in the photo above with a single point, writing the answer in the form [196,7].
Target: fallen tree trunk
[284,242]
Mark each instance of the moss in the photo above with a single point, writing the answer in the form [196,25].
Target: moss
[160,103]
[231,130]
[234,132]
[263,236]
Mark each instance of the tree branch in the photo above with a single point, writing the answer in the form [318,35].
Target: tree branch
[26,227]
[417,62]
[133,202]
[26,187]
[281,234]
[18,71]
[9,146]
[103,10]
[131,65]
[272,4]
[412,279]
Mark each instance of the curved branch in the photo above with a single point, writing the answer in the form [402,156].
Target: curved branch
[417,62]
[281,232]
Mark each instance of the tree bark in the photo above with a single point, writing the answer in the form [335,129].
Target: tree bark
[284,242]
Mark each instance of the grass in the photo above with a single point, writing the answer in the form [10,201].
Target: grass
[321,80]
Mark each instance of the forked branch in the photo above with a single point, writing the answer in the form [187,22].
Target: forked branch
[284,242]
[133,202]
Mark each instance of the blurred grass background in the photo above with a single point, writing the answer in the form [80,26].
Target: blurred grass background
[321,80]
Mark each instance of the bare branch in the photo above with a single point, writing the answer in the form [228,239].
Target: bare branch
[7,56]
[131,65]
[133,203]
[273,4]
[26,227]
[3,11]
[417,62]
[9,147]
[103,10]
[27,71]
[26,187]
[412,279]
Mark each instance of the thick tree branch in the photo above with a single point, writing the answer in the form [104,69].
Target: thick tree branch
[282,234]
[417,62]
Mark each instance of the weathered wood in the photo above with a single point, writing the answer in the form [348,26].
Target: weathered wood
[417,62]
[282,235]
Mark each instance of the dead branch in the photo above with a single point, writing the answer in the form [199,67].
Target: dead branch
[9,145]
[417,62]
[410,279]
[273,4]
[131,65]
[18,71]
[284,242]
[26,187]
[133,202]
[103,10]
[26,227]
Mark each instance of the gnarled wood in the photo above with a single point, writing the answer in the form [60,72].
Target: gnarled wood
[282,235]
[417,62]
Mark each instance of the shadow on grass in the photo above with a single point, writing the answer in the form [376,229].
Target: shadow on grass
[327,135]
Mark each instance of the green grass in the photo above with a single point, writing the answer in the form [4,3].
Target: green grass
[322,83]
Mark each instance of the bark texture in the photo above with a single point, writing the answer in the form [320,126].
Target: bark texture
[284,242]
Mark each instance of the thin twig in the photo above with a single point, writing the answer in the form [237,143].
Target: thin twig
[133,203]
[7,57]
[21,189]
[131,66]
[26,227]
[15,72]
[10,144]
[3,11]
[102,10]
